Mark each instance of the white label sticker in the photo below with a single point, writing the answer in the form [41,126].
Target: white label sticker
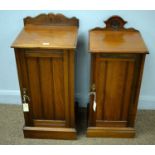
[46,43]
[25,107]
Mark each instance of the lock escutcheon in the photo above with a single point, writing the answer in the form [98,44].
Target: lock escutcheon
[93,88]
[25,97]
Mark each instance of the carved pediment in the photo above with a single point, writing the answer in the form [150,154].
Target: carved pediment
[115,23]
[51,19]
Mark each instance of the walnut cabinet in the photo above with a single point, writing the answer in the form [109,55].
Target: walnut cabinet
[44,53]
[117,56]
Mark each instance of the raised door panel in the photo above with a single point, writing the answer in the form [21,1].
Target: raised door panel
[114,80]
[46,86]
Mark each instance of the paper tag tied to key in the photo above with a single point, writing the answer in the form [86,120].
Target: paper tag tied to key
[94,105]
[25,107]
[94,100]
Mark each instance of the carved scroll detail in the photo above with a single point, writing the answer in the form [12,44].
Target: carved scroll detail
[115,23]
[51,19]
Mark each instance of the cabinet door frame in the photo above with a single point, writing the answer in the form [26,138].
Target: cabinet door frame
[133,105]
[24,83]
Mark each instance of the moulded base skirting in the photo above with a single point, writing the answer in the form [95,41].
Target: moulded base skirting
[111,132]
[49,133]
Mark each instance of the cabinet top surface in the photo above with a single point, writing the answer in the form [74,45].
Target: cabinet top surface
[49,31]
[52,37]
[114,38]
[116,41]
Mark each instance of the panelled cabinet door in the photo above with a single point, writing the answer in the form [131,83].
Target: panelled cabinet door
[114,79]
[47,86]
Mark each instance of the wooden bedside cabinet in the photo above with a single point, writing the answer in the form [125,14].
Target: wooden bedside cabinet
[44,53]
[118,56]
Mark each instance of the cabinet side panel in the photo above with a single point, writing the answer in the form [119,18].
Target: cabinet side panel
[66,87]
[71,88]
[138,80]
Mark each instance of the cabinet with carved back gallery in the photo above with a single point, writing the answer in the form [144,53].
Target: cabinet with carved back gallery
[117,61]
[44,52]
